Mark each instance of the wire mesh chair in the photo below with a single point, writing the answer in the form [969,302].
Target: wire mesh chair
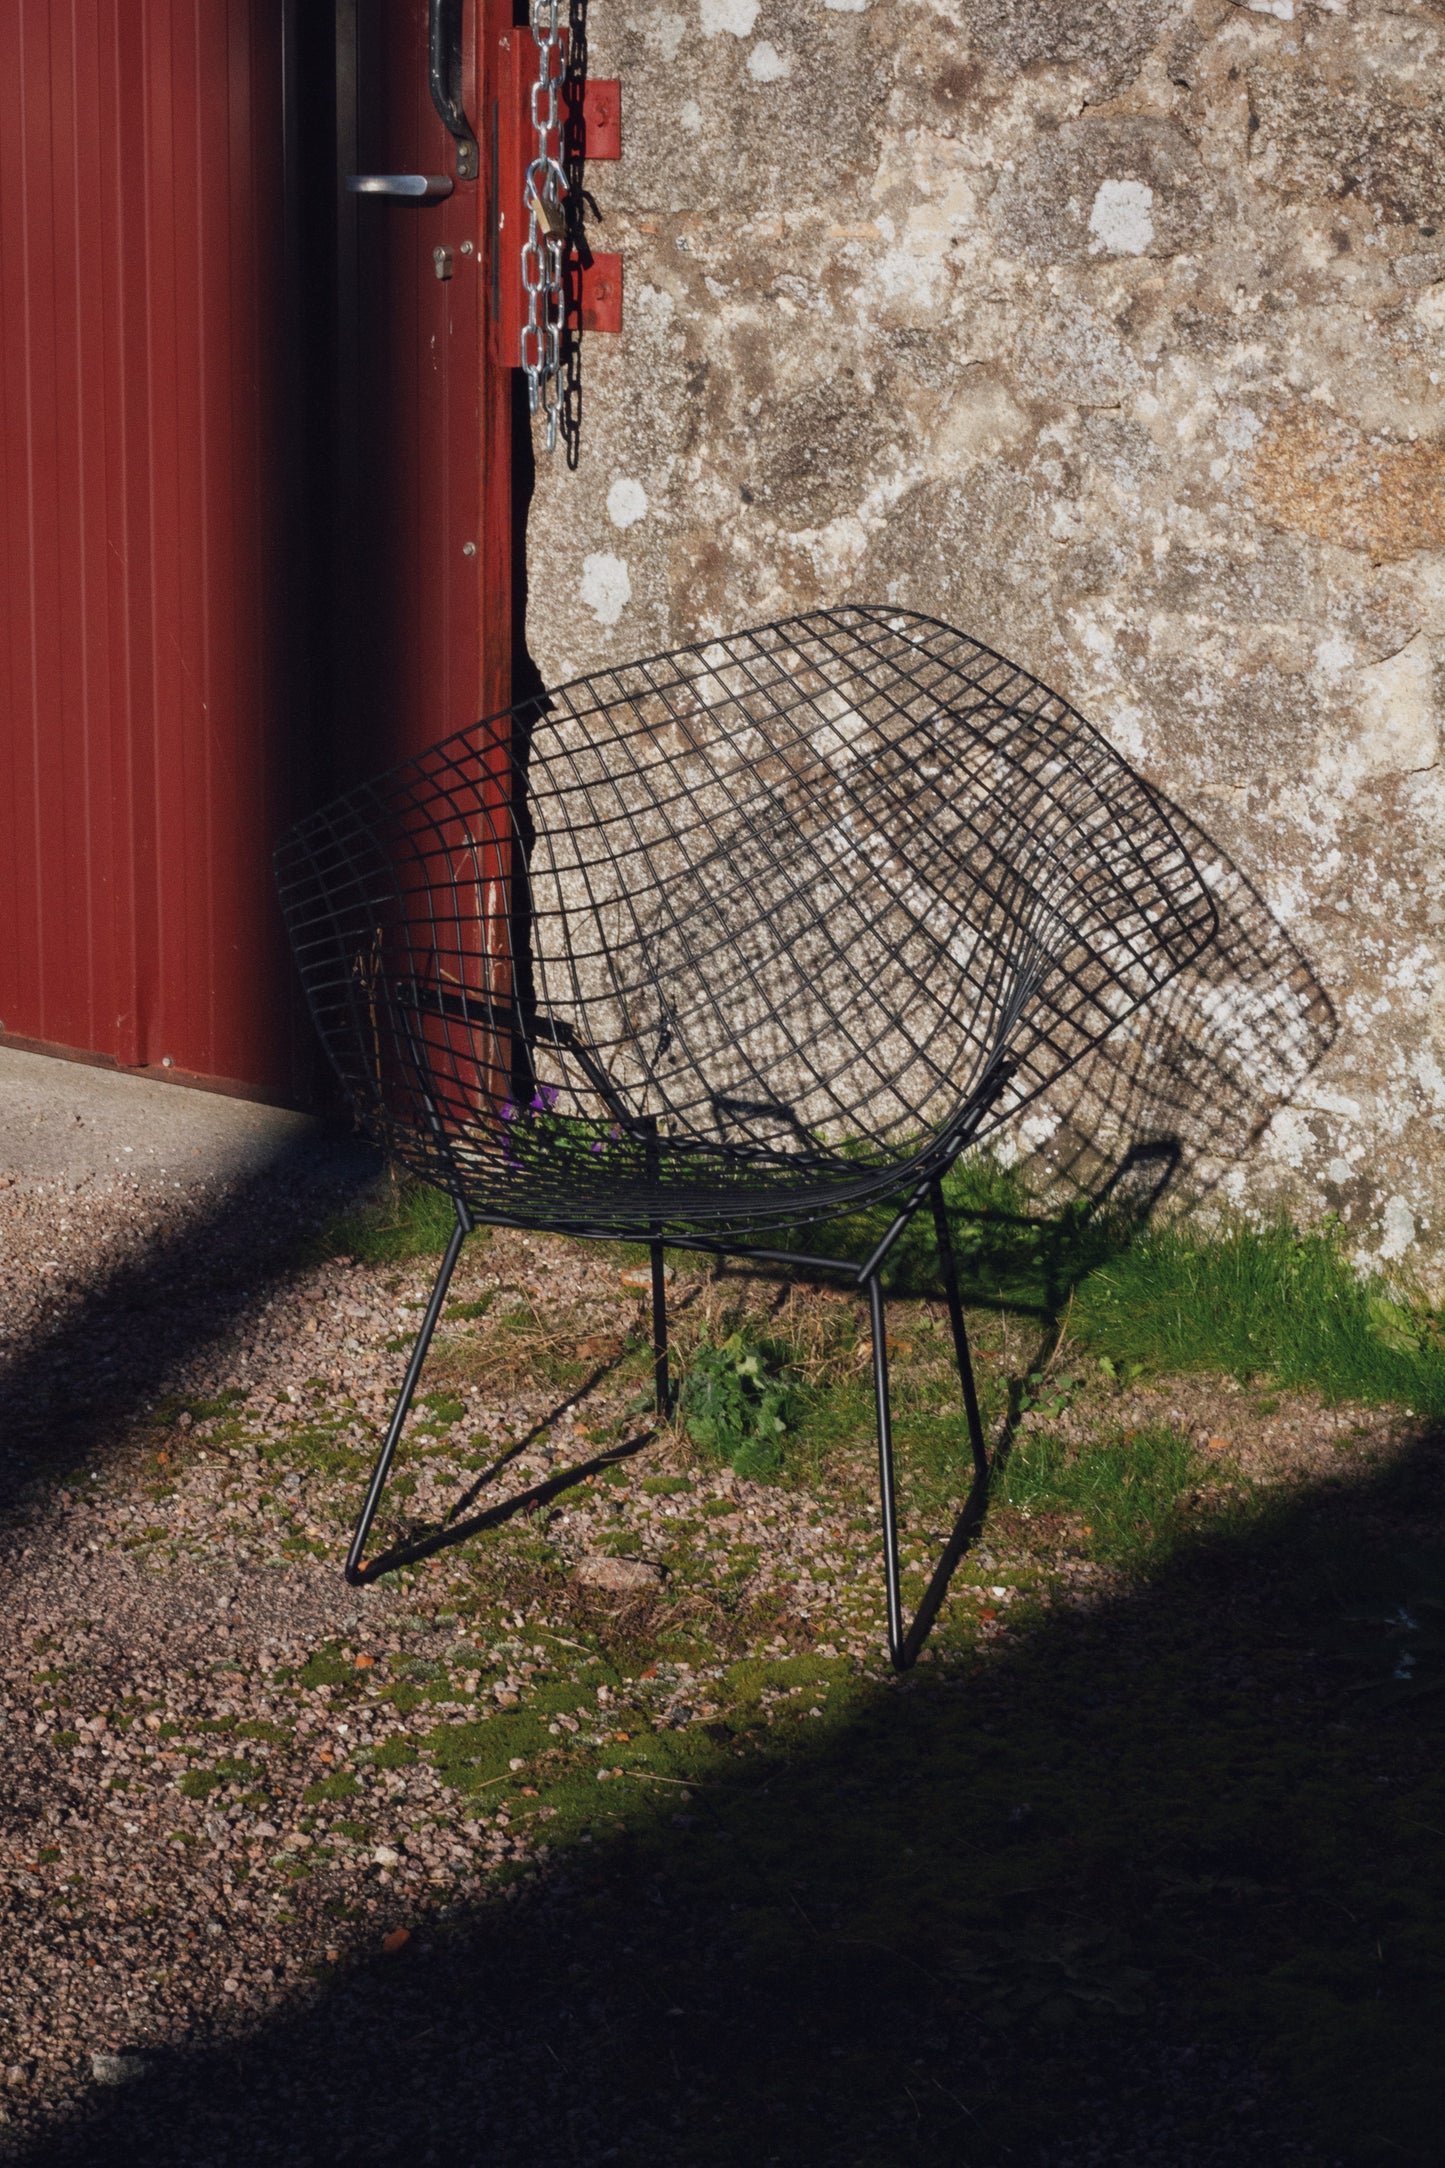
[719,945]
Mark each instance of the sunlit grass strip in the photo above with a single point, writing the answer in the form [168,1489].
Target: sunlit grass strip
[1262,1302]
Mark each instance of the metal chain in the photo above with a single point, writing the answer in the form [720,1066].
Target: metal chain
[578,256]
[542,251]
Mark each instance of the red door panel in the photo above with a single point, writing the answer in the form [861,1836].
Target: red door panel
[142,741]
[193,645]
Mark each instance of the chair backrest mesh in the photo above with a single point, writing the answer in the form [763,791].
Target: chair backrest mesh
[735,934]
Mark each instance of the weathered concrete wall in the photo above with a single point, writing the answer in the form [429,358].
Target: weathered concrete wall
[1111,331]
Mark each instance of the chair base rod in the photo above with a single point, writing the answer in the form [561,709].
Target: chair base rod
[903,1643]
[903,1646]
[420,1347]
[960,1334]
[659,1332]
[886,1493]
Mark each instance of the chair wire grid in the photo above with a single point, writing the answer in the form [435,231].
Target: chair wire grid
[739,936]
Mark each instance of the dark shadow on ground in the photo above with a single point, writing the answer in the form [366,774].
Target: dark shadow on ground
[104,1358]
[1159,1882]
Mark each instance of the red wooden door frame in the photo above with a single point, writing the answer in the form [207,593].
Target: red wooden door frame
[424,545]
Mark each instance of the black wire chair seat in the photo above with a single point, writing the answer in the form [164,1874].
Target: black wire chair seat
[727,942]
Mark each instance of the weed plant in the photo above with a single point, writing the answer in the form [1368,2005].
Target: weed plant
[738,1404]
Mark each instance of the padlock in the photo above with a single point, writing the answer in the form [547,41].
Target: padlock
[551,217]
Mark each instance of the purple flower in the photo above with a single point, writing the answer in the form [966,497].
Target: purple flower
[544,1099]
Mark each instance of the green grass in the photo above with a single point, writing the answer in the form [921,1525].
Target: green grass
[340,1785]
[1258,1300]
[1127,1490]
[404,1219]
[1011,1253]
[395,1754]
[327,1667]
[1263,1302]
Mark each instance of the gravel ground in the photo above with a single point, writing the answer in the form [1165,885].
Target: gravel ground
[229,1831]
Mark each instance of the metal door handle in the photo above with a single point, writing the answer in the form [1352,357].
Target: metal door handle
[401,187]
[444,73]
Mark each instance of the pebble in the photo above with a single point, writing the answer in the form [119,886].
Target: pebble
[624,1575]
[109,2069]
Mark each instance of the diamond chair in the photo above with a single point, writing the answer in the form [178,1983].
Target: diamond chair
[707,949]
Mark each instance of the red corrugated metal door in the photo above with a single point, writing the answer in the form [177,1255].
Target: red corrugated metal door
[141,255]
[194,639]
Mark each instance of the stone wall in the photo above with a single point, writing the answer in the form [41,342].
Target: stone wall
[1111,331]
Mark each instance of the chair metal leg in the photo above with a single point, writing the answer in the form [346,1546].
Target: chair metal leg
[403,1399]
[896,1647]
[960,1335]
[903,1646]
[659,1334]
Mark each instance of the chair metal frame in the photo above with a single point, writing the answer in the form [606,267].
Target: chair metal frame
[851,885]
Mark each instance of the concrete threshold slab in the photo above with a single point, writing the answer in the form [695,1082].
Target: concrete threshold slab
[68,1121]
